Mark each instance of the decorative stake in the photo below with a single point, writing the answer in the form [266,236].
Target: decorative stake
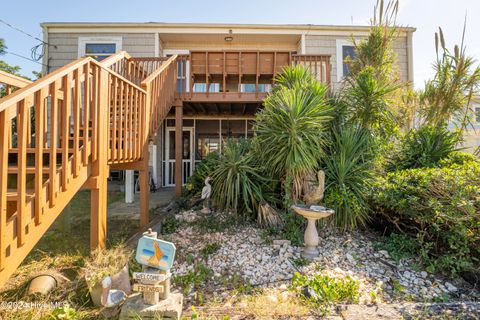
[206,193]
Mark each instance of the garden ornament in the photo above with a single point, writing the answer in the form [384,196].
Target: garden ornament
[313,212]
[111,297]
[206,193]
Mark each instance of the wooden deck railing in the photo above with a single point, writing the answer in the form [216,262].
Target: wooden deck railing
[62,132]
[239,75]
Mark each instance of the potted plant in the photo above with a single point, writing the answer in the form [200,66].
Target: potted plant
[103,263]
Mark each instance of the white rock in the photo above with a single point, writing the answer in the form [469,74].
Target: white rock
[450,287]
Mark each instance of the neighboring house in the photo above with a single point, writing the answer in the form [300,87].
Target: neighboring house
[472,134]
[224,74]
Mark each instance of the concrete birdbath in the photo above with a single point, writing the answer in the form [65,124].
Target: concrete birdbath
[312,214]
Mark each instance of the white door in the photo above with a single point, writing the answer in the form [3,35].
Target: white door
[187,156]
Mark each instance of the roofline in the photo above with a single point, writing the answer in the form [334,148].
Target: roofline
[304,27]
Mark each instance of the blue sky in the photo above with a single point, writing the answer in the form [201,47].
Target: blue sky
[425,15]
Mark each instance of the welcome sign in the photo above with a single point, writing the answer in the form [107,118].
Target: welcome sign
[155,253]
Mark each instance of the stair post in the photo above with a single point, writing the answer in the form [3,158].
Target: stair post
[98,208]
[178,149]
[143,171]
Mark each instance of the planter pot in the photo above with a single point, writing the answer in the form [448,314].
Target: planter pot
[42,284]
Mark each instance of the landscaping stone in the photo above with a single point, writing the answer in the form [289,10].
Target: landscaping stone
[244,253]
[169,308]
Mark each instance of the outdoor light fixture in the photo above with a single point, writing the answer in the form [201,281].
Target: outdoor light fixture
[229,38]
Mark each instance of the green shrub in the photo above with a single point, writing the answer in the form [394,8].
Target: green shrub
[399,246]
[458,157]
[237,180]
[348,170]
[440,207]
[328,290]
[425,147]
[196,181]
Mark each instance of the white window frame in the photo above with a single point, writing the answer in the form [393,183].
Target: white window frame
[340,44]
[83,41]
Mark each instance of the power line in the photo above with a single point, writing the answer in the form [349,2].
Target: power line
[20,56]
[25,33]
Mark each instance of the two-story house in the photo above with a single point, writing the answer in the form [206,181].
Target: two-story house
[224,73]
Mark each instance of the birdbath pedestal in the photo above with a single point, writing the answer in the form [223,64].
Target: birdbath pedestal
[312,214]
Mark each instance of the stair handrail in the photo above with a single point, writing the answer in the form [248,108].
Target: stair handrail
[13,80]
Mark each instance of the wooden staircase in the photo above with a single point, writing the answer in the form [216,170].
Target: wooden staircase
[64,132]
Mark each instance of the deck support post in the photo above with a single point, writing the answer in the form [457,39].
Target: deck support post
[144,188]
[178,149]
[98,206]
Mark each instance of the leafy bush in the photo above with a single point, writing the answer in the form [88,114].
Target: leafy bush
[399,246]
[237,180]
[196,181]
[348,170]
[440,207]
[425,147]
[328,290]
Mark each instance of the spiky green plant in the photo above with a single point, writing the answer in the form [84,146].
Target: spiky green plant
[237,181]
[369,103]
[426,146]
[290,129]
[348,169]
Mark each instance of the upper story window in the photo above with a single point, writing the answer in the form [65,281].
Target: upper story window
[345,50]
[251,87]
[99,48]
[202,87]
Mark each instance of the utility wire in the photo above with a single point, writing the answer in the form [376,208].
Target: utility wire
[26,58]
[25,33]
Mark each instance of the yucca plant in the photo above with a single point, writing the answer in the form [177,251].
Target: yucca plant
[348,169]
[426,146]
[290,129]
[369,102]
[237,182]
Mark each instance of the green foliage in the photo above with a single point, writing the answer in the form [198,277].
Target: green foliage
[348,170]
[290,129]
[194,279]
[301,262]
[237,180]
[399,246]
[456,81]
[459,158]
[209,249]
[64,313]
[376,50]
[217,222]
[293,228]
[440,207]
[328,290]
[204,169]
[425,146]
[170,225]
[370,103]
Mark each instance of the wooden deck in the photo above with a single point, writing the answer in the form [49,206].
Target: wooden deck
[239,76]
